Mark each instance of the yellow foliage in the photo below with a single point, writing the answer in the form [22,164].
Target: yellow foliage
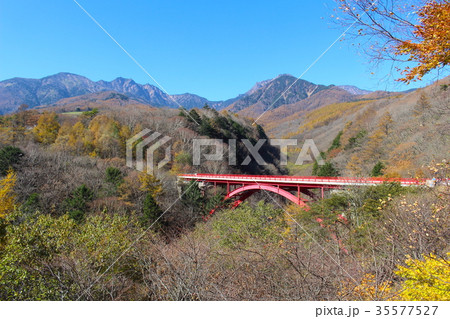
[426,280]
[385,123]
[46,130]
[137,129]
[125,133]
[328,113]
[392,175]
[355,165]
[367,289]
[419,173]
[71,137]
[135,185]
[103,135]
[7,196]
[76,135]
[361,123]
[150,184]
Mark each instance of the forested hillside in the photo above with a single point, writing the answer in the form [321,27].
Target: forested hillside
[77,224]
[78,221]
[61,152]
[402,133]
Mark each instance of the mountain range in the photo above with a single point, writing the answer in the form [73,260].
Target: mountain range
[51,89]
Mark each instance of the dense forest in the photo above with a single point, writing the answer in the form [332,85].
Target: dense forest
[78,224]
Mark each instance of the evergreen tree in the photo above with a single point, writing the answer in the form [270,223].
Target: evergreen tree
[76,204]
[326,170]
[377,170]
[193,196]
[150,210]
[31,205]
[336,142]
[206,127]
[114,176]
[193,116]
[9,156]
[315,169]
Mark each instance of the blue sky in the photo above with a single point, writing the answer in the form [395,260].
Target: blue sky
[216,49]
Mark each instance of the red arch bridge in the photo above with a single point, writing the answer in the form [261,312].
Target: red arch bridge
[240,187]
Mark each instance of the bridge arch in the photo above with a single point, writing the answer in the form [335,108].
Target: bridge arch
[243,192]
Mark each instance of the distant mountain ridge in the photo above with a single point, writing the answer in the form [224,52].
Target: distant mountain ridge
[354,90]
[51,89]
[284,89]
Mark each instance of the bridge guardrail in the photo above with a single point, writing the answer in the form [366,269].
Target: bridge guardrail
[325,180]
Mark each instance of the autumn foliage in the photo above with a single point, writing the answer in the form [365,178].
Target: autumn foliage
[402,32]
[427,279]
[46,130]
[78,224]
[433,48]
[7,195]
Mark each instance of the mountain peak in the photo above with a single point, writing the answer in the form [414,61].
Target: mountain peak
[283,89]
[62,75]
[284,75]
[354,89]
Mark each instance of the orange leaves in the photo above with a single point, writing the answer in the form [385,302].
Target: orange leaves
[367,289]
[400,31]
[433,50]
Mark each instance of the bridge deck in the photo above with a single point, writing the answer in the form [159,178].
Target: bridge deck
[298,180]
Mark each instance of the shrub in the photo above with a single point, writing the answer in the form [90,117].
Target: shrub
[245,225]
[336,142]
[426,280]
[9,156]
[327,169]
[378,169]
[31,205]
[76,204]
[91,113]
[356,140]
[114,176]
[7,195]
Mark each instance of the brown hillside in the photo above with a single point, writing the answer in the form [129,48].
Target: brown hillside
[402,131]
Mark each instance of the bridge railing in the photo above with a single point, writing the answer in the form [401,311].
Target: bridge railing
[312,179]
